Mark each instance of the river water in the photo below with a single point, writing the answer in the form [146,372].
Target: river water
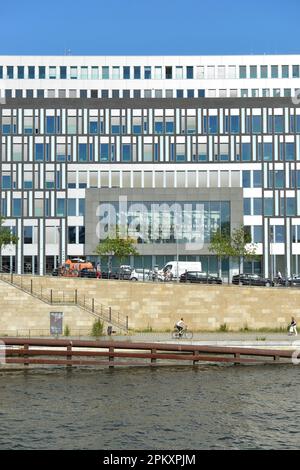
[204,407]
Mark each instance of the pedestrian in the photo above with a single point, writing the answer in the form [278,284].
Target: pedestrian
[293,327]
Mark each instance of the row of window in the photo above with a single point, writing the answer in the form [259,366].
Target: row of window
[42,207]
[266,206]
[75,235]
[276,179]
[149,152]
[152,93]
[198,121]
[149,72]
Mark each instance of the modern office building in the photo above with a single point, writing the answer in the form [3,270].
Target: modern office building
[217,136]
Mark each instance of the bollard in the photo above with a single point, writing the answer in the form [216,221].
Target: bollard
[31,288]
[76,296]
[127,322]
[109,313]
[93,305]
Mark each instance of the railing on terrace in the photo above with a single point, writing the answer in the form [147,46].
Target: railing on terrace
[67,297]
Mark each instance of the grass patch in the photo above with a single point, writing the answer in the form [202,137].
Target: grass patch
[223,328]
[67,331]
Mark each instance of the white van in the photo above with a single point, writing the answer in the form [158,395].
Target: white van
[183,266]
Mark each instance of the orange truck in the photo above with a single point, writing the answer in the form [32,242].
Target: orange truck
[72,267]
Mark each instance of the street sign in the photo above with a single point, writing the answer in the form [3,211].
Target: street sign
[56,323]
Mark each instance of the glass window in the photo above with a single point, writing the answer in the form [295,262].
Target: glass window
[147,73]
[6,182]
[17,152]
[71,125]
[1,71]
[95,73]
[235,124]
[16,207]
[126,72]
[168,72]
[71,235]
[52,72]
[63,72]
[82,152]
[71,204]
[136,72]
[81,207]
[279,233]
[253,71]
[274,71]
[257,234]
[257,178]
[285,71]
[60,207]
[290,151]
[50,124]
[104,149]
[27,234]
[263,71]
[279,179]
[278,124]
[257,206]
[268,206]
[246,151]
[116,73]
[256,124]
[10,71]
[39,152]
[20,72]
[42,72]
[158,73]
[243,71]
[246,179]
[126,152]
[247,206]
[81,234]
[148,150]
[268,151]
[190,72]
[295,71]
[213,124]
[290,206]
[105,72]
[73,73]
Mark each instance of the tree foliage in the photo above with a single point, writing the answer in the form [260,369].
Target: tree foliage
[118,246]
[6,237]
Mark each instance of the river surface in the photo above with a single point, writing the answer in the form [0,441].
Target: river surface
[209,407]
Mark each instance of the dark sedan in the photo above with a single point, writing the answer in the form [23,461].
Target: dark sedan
[87,273]
[200,277]
[251,280]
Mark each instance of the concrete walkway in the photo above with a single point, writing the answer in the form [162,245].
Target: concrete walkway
[254,339]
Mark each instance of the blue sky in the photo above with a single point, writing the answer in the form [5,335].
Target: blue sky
[149,27]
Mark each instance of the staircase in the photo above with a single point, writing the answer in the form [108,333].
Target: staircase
[67,297]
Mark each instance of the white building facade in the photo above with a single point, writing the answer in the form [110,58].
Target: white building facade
[220,131]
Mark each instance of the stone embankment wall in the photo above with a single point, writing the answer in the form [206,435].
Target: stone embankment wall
[155,305]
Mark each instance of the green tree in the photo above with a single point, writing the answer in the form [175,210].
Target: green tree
[121,247]
[6,238]
[220,245]
[242,246]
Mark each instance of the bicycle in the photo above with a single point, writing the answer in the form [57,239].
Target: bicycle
[183,334]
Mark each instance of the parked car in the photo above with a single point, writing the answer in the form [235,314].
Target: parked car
[199,277]
[251,280]
[124,272]
[87,273]
[109,275]
[141,275]
[294,280]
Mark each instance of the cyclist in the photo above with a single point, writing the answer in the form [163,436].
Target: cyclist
[180,326]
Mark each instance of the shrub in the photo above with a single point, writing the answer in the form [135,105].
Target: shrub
[97,328]
[223,327]
[67,331]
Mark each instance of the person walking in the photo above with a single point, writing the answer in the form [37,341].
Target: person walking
[293,327]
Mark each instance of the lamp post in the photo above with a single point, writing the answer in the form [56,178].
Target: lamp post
[271,234]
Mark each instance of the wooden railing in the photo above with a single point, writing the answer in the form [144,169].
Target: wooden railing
[24,351]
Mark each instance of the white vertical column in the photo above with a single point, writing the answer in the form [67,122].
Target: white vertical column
[41,247]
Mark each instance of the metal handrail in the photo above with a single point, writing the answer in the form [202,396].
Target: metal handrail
[61,297]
